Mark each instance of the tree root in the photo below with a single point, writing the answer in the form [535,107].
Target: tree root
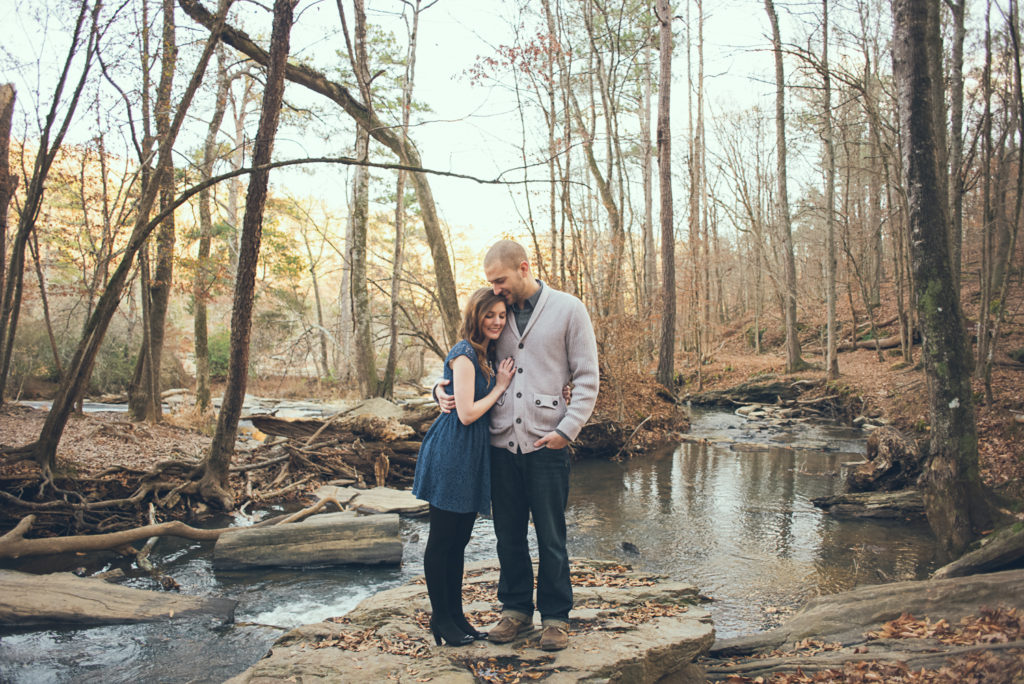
[14,545]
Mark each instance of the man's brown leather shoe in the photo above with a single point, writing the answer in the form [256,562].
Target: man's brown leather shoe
[508,629]
[554,638]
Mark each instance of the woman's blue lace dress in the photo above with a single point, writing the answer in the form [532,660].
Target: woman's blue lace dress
[453,470]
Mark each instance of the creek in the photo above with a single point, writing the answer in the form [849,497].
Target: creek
[732,515]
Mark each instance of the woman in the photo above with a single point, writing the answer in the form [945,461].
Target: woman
[453,468]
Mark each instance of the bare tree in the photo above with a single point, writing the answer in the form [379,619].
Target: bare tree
[793,360]
[213,486]
[8,180]
[408,78]
[144,389]
[956,507]
[204,272]
[831,360]
[666,350]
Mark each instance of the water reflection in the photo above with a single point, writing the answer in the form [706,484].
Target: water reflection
[739,524]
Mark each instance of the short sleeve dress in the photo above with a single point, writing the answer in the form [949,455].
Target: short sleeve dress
[453,469]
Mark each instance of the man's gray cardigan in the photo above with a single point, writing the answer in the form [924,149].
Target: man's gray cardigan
[557,347]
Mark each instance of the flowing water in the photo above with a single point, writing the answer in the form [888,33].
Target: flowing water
[733,516]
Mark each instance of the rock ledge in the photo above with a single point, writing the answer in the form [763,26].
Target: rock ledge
[626,627]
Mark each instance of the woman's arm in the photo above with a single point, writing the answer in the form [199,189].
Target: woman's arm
[464,372]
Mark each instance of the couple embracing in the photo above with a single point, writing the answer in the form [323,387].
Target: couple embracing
[503,449]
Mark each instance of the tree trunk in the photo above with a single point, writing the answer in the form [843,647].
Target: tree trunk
[144,391]
[205,272]
[831,360]
[793,360]
[359,217]
[214,483]
[388,383]
[958,9]
[650,258]
[666,351]
[953,497]
[8,180]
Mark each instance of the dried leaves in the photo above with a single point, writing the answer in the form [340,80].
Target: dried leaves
[399,643]
[999,625]
[993,626]
[509,670]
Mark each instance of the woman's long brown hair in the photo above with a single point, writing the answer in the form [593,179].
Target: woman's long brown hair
[480,302]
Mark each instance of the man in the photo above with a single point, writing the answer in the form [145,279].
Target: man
[552,340]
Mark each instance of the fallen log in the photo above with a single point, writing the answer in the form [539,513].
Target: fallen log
[63,599]
[906,503]
[328,539]
[375,500]
[1002,549]
[762,392]
[373,428]
[880,343]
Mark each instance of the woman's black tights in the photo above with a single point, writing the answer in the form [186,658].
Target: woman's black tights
[443,565]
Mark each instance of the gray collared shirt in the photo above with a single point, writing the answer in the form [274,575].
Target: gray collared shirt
[522,315]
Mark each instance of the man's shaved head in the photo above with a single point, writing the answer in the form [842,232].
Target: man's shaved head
[506,252]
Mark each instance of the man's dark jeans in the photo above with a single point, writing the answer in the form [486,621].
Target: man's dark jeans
[522,484]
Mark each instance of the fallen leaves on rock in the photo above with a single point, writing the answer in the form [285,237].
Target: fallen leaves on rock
[650,610]
[608,576]
[399,643]
[994,625]
[509,670]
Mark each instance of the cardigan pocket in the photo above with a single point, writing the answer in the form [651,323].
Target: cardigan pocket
[544,413]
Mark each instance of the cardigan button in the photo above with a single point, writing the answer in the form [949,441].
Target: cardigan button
[554,403]
[519,395]
[520,345]
[511,444]
[519,420]
[520,370]
[537,402]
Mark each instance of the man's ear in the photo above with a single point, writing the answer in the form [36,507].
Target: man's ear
[524,268]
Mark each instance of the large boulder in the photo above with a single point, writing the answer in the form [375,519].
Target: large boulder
[626,627]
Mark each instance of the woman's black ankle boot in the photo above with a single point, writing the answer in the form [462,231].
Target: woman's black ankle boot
[445,630]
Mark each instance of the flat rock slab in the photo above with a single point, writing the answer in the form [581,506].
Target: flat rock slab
[28,600]
[626,627]
[326,539]
[376,500]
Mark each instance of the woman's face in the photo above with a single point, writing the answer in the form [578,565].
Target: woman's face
[493,321]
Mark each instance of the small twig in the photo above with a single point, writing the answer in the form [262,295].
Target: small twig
[261,464]
[283,490]
[624,444]
[327,422]
[306,512]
